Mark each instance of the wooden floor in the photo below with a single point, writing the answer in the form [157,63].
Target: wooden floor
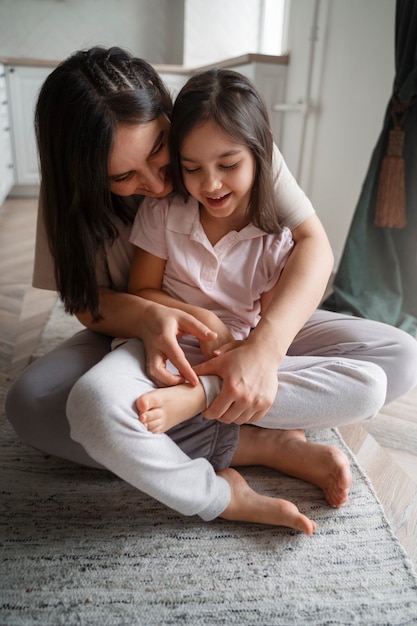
[386,448]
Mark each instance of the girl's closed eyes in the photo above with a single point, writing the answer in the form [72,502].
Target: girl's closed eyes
[189,170]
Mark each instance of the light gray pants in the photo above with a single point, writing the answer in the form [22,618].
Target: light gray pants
[338,370]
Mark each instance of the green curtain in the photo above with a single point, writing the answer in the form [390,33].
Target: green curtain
[377,275]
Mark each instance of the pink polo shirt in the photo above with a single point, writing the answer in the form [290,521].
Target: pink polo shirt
[227,278]
[113,262]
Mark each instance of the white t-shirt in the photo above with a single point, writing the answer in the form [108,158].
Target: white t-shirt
[113,265]
[227,278]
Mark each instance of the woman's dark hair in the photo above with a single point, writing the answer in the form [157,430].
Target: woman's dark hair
[79,107]
[232,103]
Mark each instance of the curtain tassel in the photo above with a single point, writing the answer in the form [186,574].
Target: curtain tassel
[390,201]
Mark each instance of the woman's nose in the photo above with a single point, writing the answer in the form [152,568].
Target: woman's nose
[153,179]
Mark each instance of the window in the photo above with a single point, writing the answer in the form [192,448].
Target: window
[223,29]
[272,27]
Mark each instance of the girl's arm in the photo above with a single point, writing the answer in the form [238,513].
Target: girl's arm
[145,280]
[146,276]
[249,371]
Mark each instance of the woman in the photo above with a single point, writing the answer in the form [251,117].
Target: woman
[102,124]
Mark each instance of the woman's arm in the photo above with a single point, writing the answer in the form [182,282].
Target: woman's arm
[249,371]
[301,285]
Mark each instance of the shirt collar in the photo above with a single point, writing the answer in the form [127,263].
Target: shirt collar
[184,217]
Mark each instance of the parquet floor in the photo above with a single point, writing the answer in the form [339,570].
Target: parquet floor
[386,448]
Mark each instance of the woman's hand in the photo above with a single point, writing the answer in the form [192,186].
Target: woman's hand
[250,382]
[249,371]
[160,330]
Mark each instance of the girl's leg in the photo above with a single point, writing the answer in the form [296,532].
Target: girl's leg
[101,411]
[161,409]
[103,419]
[36,406]
[285,450]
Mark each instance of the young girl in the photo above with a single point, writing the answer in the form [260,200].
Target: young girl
[217,250]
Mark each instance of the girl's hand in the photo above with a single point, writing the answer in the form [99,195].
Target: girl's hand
[160,329]
[250,382]
[224,337]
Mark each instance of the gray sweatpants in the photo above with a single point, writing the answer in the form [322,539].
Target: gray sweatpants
[338,370]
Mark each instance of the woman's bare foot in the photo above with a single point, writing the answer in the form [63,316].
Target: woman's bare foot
[246,505]
[161,409]
[289,452]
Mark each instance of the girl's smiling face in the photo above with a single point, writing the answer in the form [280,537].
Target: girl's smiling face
[139,159]
[218,173]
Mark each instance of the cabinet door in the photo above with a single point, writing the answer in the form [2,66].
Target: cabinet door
[23,85]
[6,158]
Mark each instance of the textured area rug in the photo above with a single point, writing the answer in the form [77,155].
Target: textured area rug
[80,547]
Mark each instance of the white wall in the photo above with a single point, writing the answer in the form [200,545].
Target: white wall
[193,32]
[351,78]
[220,29]
[53,29]
[351,81]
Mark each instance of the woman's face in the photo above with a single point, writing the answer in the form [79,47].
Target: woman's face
[139,158]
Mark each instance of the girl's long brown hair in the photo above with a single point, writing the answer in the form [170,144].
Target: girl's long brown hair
[229,100]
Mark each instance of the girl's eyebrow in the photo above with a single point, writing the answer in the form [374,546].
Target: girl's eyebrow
[154,147]
[223,155]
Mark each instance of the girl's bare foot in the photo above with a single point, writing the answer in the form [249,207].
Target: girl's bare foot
[246,505]
[289,452]
[161,409]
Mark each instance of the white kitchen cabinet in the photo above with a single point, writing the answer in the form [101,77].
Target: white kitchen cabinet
[23,85]
[6,157]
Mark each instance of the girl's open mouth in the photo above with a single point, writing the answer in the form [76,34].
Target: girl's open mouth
[218,201]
